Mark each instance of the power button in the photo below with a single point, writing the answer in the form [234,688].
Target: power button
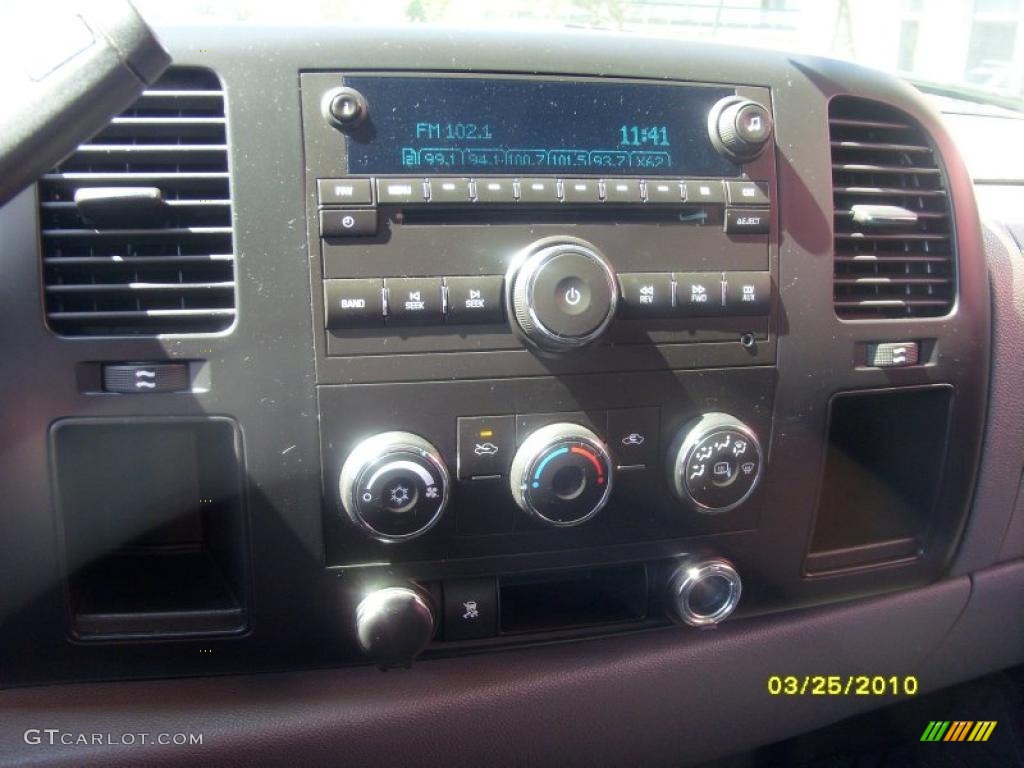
[572,293]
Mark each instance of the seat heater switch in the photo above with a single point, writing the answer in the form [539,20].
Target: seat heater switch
[893,354]
[131,378]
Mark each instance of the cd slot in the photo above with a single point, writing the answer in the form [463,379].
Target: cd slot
[463,214]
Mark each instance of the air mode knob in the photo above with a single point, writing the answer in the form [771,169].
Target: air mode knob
[562,475]
[394,624]
[394,485]
[714,463]
[561,294]
[739,128]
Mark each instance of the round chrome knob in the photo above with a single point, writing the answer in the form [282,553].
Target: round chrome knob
[394,624]
[394,486]
[703,593]
[714,463]
[562,474]
[739,128]
[561,294]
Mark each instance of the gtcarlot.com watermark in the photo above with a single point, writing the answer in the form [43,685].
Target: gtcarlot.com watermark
[55,736]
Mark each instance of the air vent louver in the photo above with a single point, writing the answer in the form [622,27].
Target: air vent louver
[167,265]
[885,267]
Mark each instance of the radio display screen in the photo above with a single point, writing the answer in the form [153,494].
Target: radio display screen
[495,126]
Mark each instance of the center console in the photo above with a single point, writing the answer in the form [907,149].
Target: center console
[545,350]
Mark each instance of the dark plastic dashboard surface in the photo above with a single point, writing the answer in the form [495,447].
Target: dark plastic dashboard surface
[296,403]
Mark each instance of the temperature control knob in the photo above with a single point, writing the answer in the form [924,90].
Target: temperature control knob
[561,294]
[394,485]
[739,128]
[714,463]
[562,474]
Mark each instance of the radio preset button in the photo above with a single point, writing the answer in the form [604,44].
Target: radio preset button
[704,191]
[495,191]
[343,223]
[475,299]
[646,294]
[748,293]
[344,191]
[414,300]
[622,191]
[581,191]
[449,190]
[747,192]
[354,302]
[662,192]
[538,191]
[747,221]
[398,191]
[699,294]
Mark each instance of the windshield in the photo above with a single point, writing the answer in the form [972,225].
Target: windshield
[965,46]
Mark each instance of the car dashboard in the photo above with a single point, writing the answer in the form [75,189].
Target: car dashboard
[584,383]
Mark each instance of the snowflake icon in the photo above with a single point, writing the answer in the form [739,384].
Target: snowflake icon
[399,495]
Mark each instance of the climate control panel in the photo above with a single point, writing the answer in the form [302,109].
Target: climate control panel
[495,468]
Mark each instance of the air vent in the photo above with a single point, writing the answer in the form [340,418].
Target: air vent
[147,248]
[894,244]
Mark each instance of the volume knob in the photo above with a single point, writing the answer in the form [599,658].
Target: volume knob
[561,293]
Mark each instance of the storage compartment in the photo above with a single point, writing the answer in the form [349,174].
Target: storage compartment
[153,526]
[577,598]
[886,451]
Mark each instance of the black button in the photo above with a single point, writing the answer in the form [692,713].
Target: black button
[664,192]
[646,294]
[354,302]
[633,436]
[334,223]
[475,299]
[581,191]
[748,293]
[571,295]
[486,444]
[146,377]
[495,191]
[538,190]
[622,191]
[747,192]
[398,191]
[699,294]
[704,191]
[470,609]
[449,190]
[414,300]
[344,191]
[746,221]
